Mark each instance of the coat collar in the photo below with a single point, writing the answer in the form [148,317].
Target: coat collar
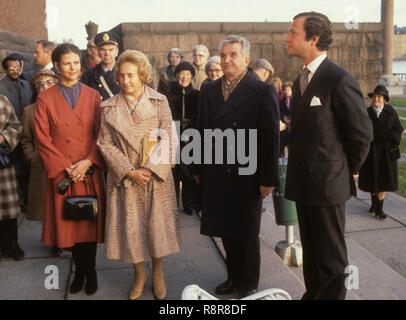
[242,93]
[129,126]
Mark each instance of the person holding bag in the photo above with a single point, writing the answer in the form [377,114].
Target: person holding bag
[141,215]
[10,135]
[379,173]
[67,123]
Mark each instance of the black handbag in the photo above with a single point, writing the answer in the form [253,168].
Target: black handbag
[81,207]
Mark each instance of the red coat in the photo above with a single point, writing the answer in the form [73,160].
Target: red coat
[64,137]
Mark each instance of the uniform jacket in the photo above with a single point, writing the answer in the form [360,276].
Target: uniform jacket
[38,176]
[91,78]
[328,142]
[10,129]
[231,202]
[64,137]
[141,221]
[18,100]
[379,172]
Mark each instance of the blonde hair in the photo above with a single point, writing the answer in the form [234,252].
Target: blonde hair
[140,60]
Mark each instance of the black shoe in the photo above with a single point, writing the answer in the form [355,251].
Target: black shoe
[374,199]
[77,283]
[247,293]
[57,252]
[188,211]
[91,283]
[17,254]
[226,287]
[379,209]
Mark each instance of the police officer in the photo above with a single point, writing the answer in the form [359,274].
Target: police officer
[101,77]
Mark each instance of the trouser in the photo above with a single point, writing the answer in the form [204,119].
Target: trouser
[243,261]
[8,236]
[190,192]
[324,251]
[23,176]
[84,257]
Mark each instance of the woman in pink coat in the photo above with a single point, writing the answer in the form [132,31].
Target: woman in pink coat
[141,215]
[67,122]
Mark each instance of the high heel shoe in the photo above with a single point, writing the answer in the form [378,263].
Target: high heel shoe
[136,292]
[159,288]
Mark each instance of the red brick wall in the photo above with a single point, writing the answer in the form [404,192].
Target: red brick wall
[24,17]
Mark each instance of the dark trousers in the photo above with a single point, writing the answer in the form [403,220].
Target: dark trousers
[243,261]
[190,196]
[84,256]
[23,176]
[8,236]
[324,251]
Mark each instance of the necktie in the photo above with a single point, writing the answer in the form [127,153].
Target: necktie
[304,80]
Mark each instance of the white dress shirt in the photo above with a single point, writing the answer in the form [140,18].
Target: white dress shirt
[314,65]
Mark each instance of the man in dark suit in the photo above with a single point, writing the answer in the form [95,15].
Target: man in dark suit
[101,77]
[330,139]
[232,191]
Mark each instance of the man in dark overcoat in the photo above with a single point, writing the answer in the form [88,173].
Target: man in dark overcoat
[330,138]
[244,109]
[101,77]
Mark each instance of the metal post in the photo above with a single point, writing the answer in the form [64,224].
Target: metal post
[289,234]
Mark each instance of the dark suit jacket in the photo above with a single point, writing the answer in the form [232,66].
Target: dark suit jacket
[19,100]
[328,143]
[231,203]
[91,78]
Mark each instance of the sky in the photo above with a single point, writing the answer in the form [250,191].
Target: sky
[66,19]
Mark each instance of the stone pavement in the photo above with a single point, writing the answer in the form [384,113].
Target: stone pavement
[375,247]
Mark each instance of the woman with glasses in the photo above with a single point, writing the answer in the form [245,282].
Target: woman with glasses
[43,80]
[213,69]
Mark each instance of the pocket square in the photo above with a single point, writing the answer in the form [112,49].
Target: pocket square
[315,102]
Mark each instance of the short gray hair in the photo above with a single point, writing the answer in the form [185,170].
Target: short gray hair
[203,48]
[212,60]
[264,64]
[230,39]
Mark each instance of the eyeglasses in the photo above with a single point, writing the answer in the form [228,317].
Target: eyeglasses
[214,70]
[43,83]
[14,69]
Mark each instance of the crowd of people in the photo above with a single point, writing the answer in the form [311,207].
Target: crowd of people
[82,127]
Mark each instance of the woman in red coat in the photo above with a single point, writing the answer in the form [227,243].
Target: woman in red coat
[67,121]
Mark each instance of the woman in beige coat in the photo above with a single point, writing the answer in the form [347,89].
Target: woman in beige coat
[141,218]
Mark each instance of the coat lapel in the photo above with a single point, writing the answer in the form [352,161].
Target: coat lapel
[216,98]
[241,94]
[130,127]
[300,104]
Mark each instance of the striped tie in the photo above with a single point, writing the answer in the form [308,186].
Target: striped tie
[304,80]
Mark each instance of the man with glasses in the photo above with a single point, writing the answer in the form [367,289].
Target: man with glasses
[17,90]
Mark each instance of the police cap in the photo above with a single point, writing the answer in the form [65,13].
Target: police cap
[105,38]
